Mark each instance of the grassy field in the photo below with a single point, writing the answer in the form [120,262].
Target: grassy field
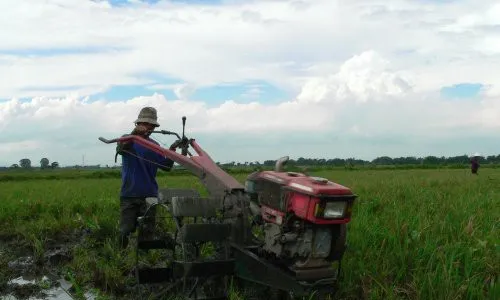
[415,234]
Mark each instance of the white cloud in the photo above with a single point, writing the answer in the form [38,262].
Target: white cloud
[477,18]
[381,106]
[364,77]
[208,45]
[360,69]
[184,91]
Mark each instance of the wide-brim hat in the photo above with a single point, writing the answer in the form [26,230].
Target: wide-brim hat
[148,115]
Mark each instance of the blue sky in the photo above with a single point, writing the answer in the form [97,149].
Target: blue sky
[327,83]
[204,2]
[53,51]
[213,95]
[462,90]
[249,91]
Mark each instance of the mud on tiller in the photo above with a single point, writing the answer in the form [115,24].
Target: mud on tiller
[281,232]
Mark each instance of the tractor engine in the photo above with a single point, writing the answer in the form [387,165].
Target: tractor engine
[303,218]
[295,239]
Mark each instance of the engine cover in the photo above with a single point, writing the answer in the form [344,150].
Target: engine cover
[301,195]
[309,243]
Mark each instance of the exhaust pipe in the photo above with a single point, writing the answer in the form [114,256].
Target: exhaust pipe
[280,163]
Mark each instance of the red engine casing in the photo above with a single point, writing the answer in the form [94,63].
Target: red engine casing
[279,193]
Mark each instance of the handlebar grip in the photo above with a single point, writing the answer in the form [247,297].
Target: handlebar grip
[106,140]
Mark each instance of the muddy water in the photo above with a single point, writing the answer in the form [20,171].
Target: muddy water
[28,281]
[60,289]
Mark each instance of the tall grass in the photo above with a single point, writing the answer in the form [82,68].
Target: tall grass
[415,234]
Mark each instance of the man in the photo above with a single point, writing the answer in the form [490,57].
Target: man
[475,164]
[139,168]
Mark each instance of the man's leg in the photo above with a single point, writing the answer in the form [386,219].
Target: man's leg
[128,219]
[149,220]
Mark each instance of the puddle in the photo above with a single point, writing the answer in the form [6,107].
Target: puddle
[31,276]
[21,263]
[57,256]
[24,281]
[33,289]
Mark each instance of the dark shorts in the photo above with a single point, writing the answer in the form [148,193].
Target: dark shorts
[130,210]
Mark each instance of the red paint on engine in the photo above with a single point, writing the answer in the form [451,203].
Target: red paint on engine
[302,195]
[299,204]
[272,215]
[304,184]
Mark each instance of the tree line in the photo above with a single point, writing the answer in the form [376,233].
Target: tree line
[382,160]
[25,163]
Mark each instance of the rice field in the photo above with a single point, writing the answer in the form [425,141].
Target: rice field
[415,234]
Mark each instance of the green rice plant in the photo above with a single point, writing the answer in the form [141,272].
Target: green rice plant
[415,233]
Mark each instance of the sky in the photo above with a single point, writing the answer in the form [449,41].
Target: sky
[256,80]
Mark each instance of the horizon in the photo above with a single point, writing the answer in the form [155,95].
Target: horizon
[257,80]
[35,164]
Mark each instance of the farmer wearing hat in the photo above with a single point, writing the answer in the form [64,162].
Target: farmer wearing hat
[475,163]
[139,167]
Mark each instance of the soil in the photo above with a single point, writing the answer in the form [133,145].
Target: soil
[22,276]
[24,291]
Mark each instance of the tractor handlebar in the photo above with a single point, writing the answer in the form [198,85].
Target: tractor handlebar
[201,165]
[108,141]
[167,132]
[182,142]
[180,158]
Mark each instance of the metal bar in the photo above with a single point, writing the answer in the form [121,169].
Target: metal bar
[205,232]
[178,158]
[195,207]
[203,268]
[202,165]
[154,275]
[251,267]
[156,244]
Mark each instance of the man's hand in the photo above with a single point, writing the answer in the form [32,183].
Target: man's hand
[175,144]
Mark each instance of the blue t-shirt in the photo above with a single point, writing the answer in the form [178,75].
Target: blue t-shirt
[139,173]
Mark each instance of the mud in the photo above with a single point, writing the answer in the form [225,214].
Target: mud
[40,289]
[22,276]
[25,276]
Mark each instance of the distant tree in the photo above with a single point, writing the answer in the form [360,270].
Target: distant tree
[44,163]
[25,163]
[269,162]
[432,160]
[54,165]
[14,166]
[383,160]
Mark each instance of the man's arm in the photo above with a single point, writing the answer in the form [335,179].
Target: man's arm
[123,147]
[165,163]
